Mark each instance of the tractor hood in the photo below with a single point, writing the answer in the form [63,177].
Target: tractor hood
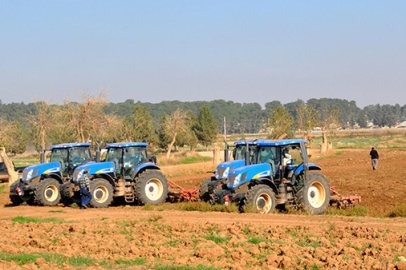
[40,169]
[224,168]
[244,174]
[93,168]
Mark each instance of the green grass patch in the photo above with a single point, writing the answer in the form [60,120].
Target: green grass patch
[217,239]
[24,258]
[200,206]
[25,161]
[3,188]
[57,211]
[21,219]
[137,261]
[307,244]
[184,267]
[398,211]
[148,207]
[256,240]
[190,160]
[356,211]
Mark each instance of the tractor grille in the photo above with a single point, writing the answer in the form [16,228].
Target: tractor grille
[25,175]
[221,171]
[232,178]
[75,175]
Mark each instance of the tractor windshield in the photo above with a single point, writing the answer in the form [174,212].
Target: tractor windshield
[61,155]
[132,157]
[115,155]
[239,152]
[271,155]
[78,156]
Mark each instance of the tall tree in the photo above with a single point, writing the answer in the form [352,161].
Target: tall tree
[328,124]
[12,136]
[206,127]
[87,118]
[172,125]
[139,127]
[42,123]
[280,123]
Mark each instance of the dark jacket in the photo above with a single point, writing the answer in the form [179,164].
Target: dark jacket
[374,154]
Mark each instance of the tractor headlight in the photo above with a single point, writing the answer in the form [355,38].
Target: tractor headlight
[237,180]
[29,175]
[225,173]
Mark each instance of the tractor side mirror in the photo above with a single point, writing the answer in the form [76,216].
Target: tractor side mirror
[153,159]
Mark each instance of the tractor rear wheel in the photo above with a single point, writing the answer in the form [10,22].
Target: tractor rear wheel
[47,192]
[204,190]
[315,195]
[102,193]
[151,187]
[260,199]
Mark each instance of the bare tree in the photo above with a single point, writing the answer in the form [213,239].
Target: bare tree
[42,122]
[307,118]
[87,118]
[329,123]
[172,125]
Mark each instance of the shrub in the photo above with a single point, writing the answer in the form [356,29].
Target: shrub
[398,211]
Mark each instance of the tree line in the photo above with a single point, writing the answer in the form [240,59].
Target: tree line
[171,124]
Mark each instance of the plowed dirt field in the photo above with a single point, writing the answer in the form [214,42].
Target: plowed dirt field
[130,237]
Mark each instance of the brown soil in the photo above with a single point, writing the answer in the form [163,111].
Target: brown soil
[116,237]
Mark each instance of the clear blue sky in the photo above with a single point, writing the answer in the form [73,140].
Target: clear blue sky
[245,51]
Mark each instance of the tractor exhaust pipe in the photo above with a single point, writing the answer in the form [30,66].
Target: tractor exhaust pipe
[247,154]
[98,152]
[42,155]
[225,151]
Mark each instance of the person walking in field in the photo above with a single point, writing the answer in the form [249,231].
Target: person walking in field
[374,158]
[85,190]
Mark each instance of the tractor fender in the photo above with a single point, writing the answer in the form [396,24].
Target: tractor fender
[143,167]
[55,176]
[269,182]
[311,166]
[104,176]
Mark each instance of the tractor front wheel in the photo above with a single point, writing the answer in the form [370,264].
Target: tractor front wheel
[204,190]
[315,195]
[102,193]
[260,199]
[151,187]
[68,197]
[47,192]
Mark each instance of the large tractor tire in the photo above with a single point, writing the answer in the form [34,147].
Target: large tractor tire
[47,192]
[151,187]
[315,194]
[214,188]
[260,199]
[102,193]
[68,197]
[204,190]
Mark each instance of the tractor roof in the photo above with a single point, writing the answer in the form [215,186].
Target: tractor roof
[69,145]
[279,142]
[242,142]
[126,144]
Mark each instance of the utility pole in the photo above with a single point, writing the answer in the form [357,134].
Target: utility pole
[225,129]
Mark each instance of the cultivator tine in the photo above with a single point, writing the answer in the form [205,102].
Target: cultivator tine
[179,194]
[343,201]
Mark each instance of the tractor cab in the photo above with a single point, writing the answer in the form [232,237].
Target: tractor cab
[70,156]
[126,158]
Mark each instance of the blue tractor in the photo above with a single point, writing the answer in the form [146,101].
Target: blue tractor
[280,176]
[126,173]
[41,183]
[211,184]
